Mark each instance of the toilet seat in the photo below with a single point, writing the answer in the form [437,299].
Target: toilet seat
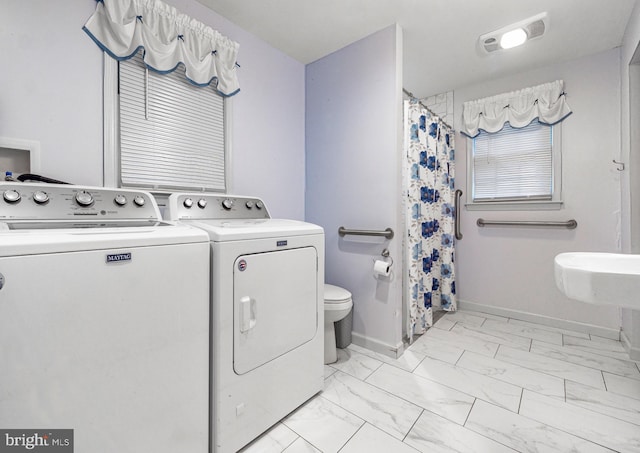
[336,295]
[337,305]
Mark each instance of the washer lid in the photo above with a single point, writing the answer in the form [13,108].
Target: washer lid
[61,238]
[244,229]
[335,294]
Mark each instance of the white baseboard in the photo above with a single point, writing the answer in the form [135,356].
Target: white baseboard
[605,332]
[377,346]
[634,353]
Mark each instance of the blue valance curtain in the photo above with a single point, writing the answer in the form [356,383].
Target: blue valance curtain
[123,27]
[547,103]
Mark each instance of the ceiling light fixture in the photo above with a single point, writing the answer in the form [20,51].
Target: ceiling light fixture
[515,34]
[513,38]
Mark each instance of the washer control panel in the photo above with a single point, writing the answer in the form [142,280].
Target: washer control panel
[215,206]
[26,201]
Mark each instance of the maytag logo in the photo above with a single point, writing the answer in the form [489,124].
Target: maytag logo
[281,243]
[117,257]
[16,440]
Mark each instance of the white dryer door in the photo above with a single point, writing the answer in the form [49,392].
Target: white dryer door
[275,305]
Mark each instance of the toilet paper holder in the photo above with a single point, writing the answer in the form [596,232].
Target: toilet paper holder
[382,268]
[386,254]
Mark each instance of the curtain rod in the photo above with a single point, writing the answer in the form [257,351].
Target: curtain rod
[410,94]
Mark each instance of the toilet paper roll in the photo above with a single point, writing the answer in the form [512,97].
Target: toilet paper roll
[381,268]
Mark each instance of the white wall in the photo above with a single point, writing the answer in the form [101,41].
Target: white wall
[51,91]
[353,175]
[630,154]
[512,268]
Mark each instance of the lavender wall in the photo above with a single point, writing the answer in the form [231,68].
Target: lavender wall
[51,86]
[268,118]
[51,92]
[512,269]
[353,175]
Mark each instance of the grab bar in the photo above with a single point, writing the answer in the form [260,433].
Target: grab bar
[570,224]
[457,214]
[388,233]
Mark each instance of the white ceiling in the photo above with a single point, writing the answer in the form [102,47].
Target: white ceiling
[439,36]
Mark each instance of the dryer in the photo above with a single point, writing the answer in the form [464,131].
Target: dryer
[267,310]
[104,325]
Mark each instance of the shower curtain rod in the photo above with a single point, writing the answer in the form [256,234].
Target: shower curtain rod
[410,94]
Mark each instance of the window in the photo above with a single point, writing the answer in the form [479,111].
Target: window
[515,167]
[162,132]
[513,152]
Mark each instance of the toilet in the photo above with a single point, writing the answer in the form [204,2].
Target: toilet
[337,305]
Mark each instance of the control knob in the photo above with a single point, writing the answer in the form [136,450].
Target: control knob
[120,200]
[202,203]
[227,203]
[139,200]
[84,198]
[40,197]
[259,204]
[187,203]
[249,204]
[11,196]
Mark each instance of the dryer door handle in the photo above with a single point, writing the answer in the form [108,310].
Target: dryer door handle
[247,313]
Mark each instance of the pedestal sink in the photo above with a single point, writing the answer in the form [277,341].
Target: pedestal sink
[600,278]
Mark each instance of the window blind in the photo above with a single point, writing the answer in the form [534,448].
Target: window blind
[513,164]
[171,132]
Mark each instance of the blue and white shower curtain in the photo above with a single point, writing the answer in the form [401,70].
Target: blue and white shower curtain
[429,145]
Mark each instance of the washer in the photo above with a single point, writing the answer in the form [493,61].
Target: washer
[104,324]
[267,312]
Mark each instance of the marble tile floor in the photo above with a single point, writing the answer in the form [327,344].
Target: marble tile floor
[473,383]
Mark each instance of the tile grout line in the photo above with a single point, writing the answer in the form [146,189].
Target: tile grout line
[549,329]
[464,425]
[586,358]
[431,381]
[529,337]
[495,335]
[484,434]
[520,402]
[373,371]
[552,329]
[598,352]
[567,431]
[306,440]
[602,350]
[353,435]
[319,395]
[294,440]
[604,380]
[411,402]
[384,391]
[549,373]
[414,424]
[458,360]
[396,360]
